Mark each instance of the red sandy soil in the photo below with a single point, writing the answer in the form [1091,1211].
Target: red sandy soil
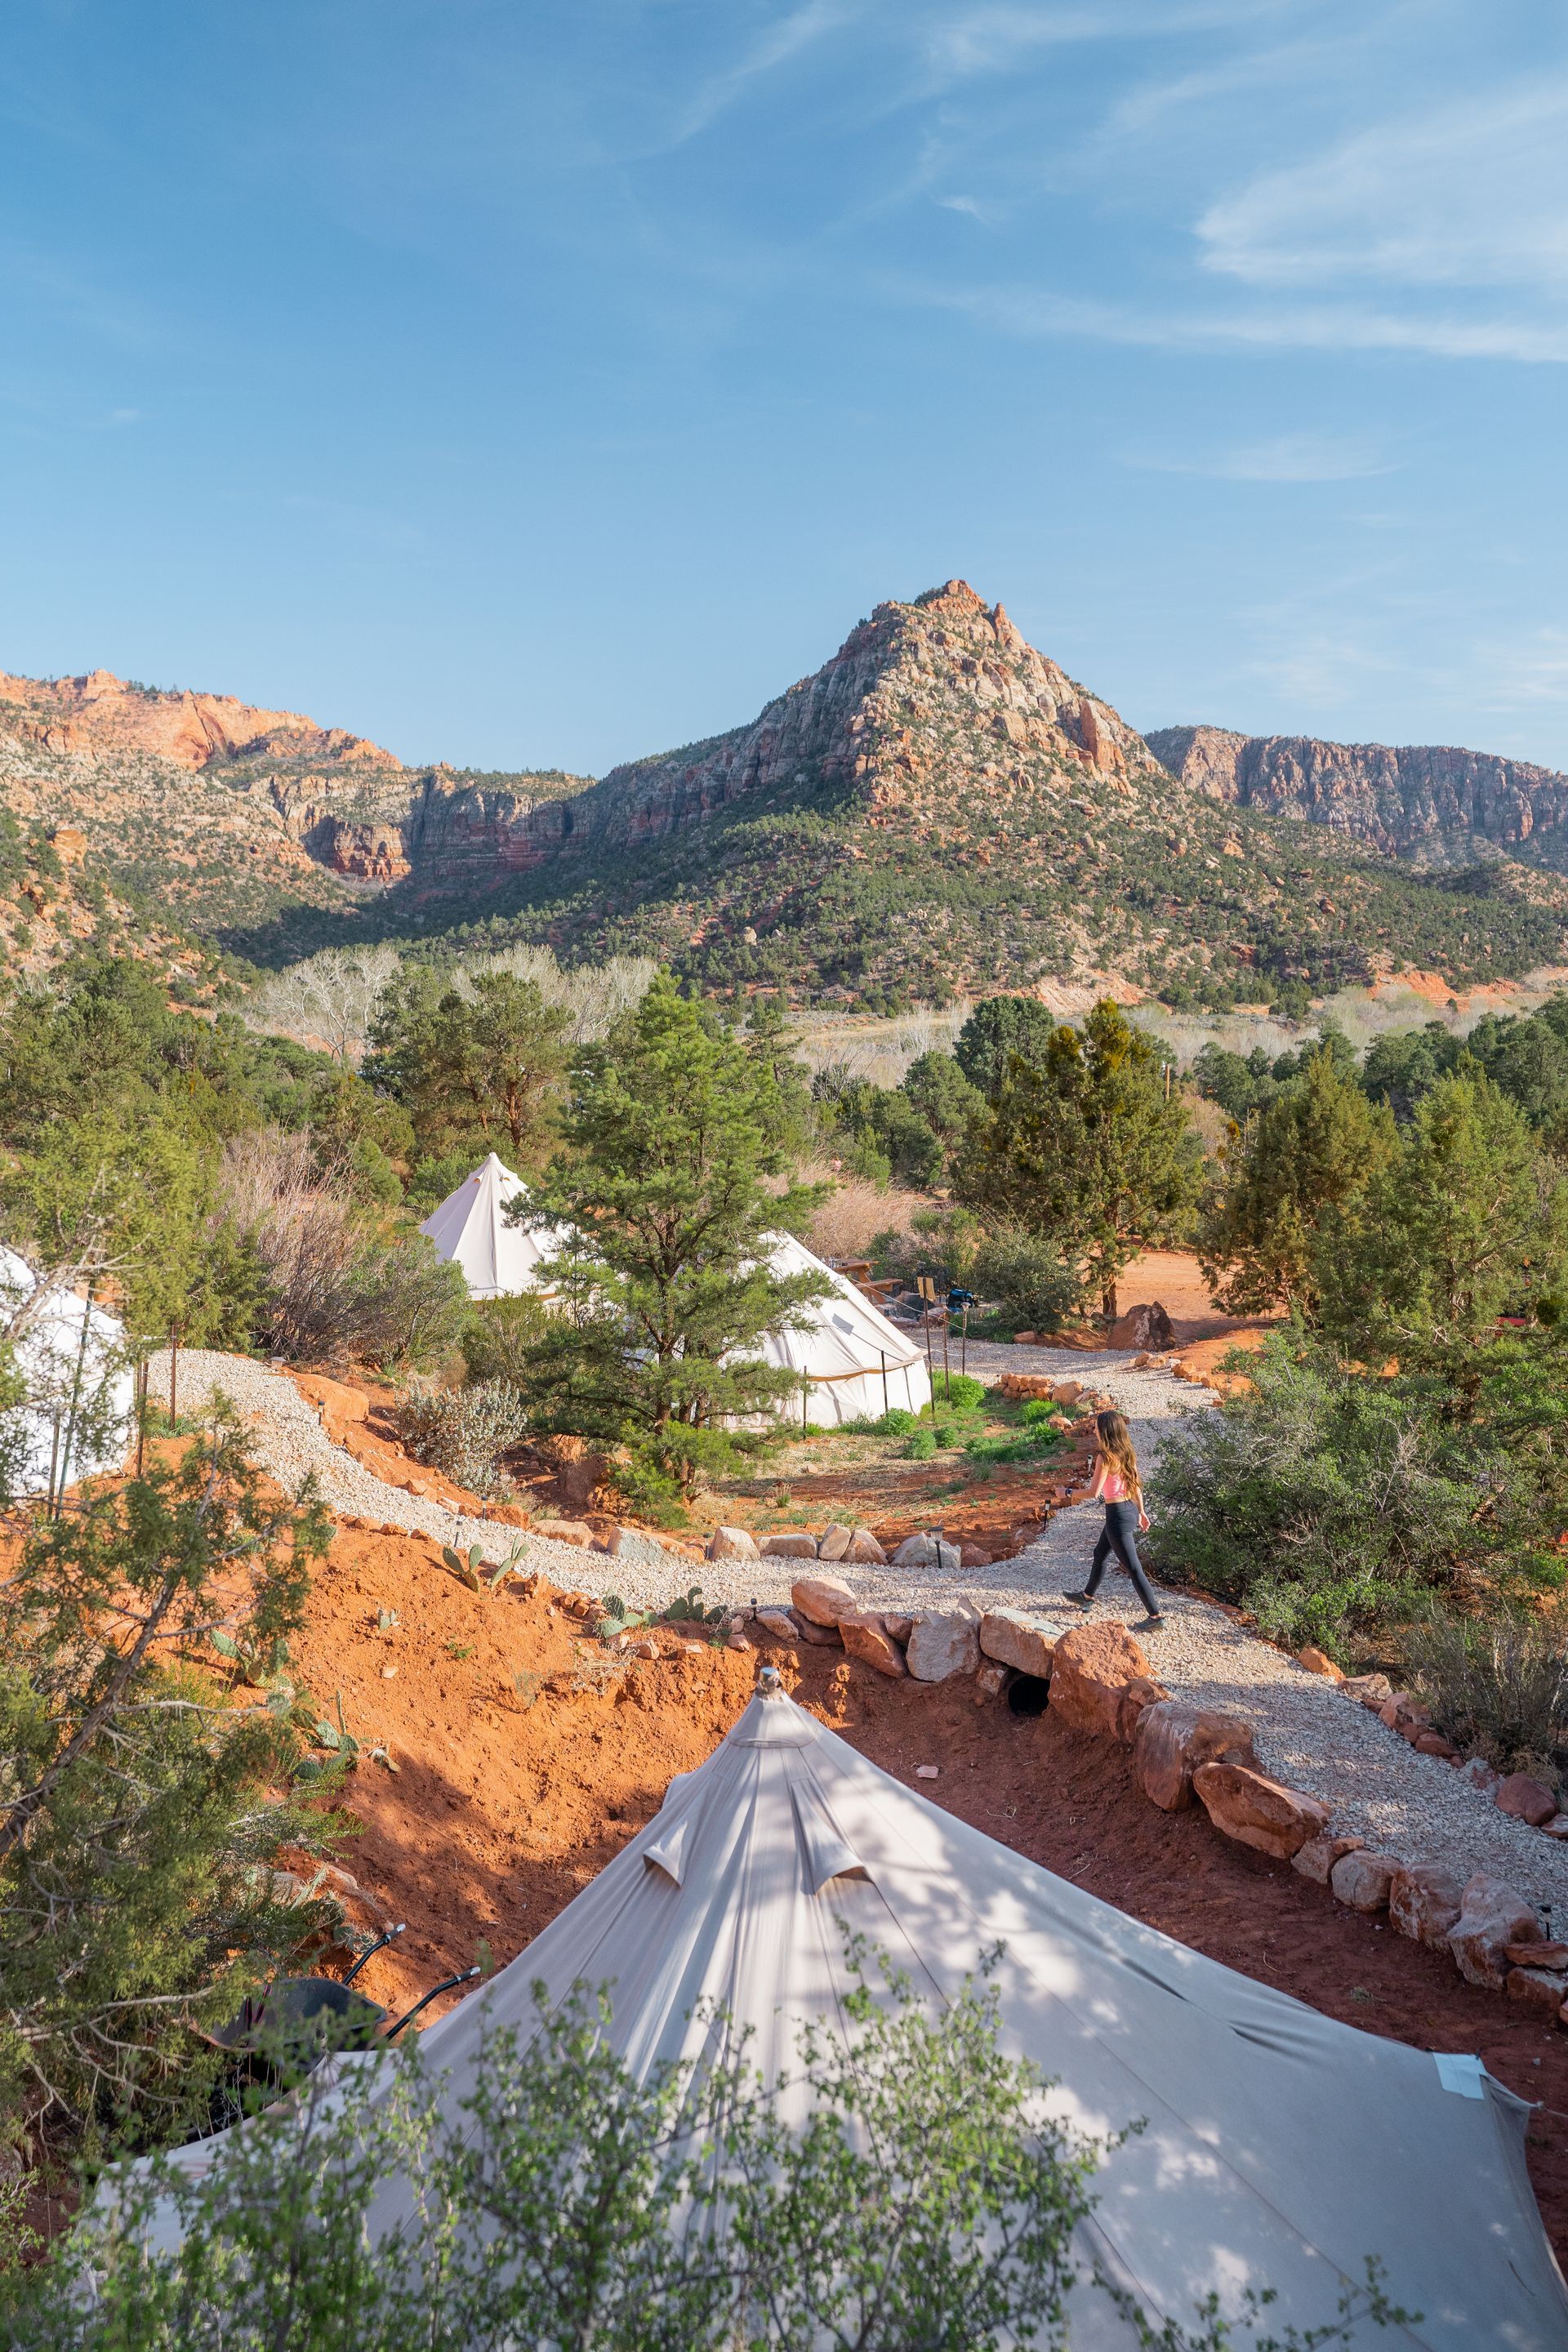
[505,1804]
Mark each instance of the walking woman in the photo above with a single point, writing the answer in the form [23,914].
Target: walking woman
[1116,1483]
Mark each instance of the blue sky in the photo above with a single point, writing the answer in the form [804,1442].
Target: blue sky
[536,384]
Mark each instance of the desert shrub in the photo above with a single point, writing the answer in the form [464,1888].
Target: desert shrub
[1321,1498]
[501,1335]
[1497,1688]
[463,1433]
[921,1445]
[1038,1412]
[958,1392]
[936,1241]
[1026,1278]
[333,1289]
[140,1814]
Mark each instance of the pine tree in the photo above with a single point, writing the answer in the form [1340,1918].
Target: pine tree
[479,1065]
[671,1191]
[1091,1149]
[1312,1148]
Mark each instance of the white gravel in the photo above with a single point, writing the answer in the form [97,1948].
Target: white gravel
[1415,1807]
[289,1441]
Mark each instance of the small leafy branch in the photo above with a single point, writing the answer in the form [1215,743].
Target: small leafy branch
[342,1746]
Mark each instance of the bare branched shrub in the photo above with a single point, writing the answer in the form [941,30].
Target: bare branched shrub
[333,1289]
[325,1000]
[847,1222]
[463,1433]
[1497,1687]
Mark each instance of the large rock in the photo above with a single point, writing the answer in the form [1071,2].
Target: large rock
[835,1541]
[927,1550]
[1137,1698]
[1173,1738]
[1091,1668]
[944,1643]
[823,1599]
[788,1545]
[1425,1901]
[822,1637]
[733,1543]
[1146,1327]
[1317,1661]
[1016,1640]
[566,1531]
[1527,1798]
[1257,1811]
[866,1637]
[1544,1991]
[865,1550]
[777,1624]
[1361,1881]
[1370,1689]
[1317,1858]
[1492,1915]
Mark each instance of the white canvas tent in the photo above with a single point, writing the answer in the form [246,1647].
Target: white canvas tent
[77,1409]
[846,1348]
[498,1260]
[1279,2148]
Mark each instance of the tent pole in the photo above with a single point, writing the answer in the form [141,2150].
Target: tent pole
[963,1347]
[75,1391]
[946,1367]
[883,1353]
[53,1465]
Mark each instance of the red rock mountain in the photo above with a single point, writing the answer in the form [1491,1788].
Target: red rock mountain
[1431,801]
[102,712]
[939,807]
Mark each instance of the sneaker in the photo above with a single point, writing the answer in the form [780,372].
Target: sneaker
[1080,1600]
[1148,1625]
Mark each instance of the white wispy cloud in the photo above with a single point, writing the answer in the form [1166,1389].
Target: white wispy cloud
[787,39]
[1535,670]
[1473,194]
[1284,457]
[1034,314]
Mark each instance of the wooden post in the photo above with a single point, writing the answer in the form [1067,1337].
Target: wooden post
[963,1343]
[883,1353]
[946,1366]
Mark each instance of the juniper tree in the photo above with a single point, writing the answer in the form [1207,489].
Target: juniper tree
[672,1189]
[1089,1146]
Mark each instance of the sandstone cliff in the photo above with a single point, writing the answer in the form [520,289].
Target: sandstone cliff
[1429,801]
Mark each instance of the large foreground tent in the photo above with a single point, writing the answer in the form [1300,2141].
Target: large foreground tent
[78,1387]
[1279,2149]
[498,1260]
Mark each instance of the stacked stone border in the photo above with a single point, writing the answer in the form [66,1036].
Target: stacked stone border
[1099,1681]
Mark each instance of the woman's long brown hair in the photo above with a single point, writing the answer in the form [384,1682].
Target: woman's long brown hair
[1116,1445]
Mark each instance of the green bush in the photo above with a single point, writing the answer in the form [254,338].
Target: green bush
[958,1392]
[1323,1499]
[1039,1412]
[1026,1278]
[501,1336]
[896,1422]
[921,1445]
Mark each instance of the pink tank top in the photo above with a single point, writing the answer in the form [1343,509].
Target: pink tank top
[1115,1489]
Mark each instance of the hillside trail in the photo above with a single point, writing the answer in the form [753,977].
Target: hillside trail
[1307,1734]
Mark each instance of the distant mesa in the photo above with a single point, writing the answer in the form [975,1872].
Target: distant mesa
[102,711]
[1431,801]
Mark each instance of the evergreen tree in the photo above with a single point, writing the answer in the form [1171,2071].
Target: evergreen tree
[479,1064]
[1466,1221]
[999,1026]
[1312,1149]
[134,1837]
[670,1189]
[1091,1150]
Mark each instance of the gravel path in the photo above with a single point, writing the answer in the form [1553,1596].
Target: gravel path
[1307,1734]
[290,1441]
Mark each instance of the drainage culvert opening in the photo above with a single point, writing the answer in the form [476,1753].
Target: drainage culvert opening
[1027,1694]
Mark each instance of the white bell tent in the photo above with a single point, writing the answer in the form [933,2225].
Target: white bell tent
[1279,2149]
[79,1389]
[497,1259]
[856,1361]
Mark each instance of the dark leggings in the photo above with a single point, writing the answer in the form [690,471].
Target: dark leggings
[1121,1536]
